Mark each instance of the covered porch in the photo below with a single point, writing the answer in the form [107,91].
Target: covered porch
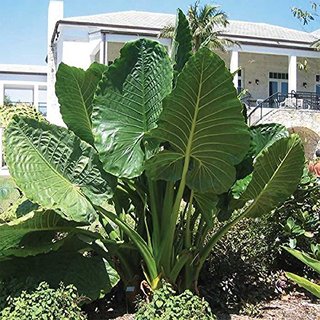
[266,74]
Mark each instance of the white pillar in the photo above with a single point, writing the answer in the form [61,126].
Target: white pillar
[292,71]
[1,94]
[103,49]
[36,96]
[55,13]
[234,66]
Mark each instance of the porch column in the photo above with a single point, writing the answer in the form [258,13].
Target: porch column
[292,71]
[104,49]
[234,66]
[36,96]
[1,94]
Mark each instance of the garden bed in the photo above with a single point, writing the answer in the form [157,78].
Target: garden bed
[294,307]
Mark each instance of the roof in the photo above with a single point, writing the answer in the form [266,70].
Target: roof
[21,68]
[267,31]
[136,19]
[241,31]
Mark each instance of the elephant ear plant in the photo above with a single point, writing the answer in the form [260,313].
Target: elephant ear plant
[155,152]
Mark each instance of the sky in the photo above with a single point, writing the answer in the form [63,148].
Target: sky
[23,23]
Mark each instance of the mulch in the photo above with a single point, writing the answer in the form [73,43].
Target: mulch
[289,307]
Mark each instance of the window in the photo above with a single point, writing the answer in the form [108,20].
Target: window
[318,84]
[42,107]
[23,95]
[278,75]
[240,81]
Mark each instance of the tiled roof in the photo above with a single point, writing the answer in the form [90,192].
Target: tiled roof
[156,21]
[267,31]
[136,19]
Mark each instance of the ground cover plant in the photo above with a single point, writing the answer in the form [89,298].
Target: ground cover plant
[166,304]
[44,303]
[156,152]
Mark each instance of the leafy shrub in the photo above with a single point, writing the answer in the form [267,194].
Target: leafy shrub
[240,270]
[247,266]
[166,305]
[300,218]
[13,287]
[44,303]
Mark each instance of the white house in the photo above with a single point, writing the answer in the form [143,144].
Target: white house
[268,55]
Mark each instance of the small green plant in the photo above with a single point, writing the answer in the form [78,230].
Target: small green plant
[44,303]
[302,282]
[300,216]
[166,305]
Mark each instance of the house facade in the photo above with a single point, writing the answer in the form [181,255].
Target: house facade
[267,57]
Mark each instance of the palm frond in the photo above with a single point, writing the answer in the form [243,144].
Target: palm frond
[167,32]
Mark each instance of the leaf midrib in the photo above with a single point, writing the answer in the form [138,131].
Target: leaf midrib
[83,102]
[254,205]
[194,120]
[47,163]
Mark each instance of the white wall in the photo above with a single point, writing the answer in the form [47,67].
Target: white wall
[77,54]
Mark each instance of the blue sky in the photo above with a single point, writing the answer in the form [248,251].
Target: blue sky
[23,23]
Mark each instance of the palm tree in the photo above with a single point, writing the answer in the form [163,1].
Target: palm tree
[206,24]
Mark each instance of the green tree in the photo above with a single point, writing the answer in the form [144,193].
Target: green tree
[206,25]
[307,16]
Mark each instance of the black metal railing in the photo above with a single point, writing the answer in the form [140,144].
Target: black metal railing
[271,102]
[292,100]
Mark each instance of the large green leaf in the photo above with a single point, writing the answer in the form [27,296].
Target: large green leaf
[75,89]
[34,233]
[207,204]
[182,42]
[127,106]
[203,125]
[306,259]
[55,169]
[304,283]
[277,172]
[93,276]
[264,135]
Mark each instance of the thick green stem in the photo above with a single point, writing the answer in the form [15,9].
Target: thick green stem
[167,245]
[188,232]
[154,215]
[136,239]
[204,253]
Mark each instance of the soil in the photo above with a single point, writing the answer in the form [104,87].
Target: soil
[290,307]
